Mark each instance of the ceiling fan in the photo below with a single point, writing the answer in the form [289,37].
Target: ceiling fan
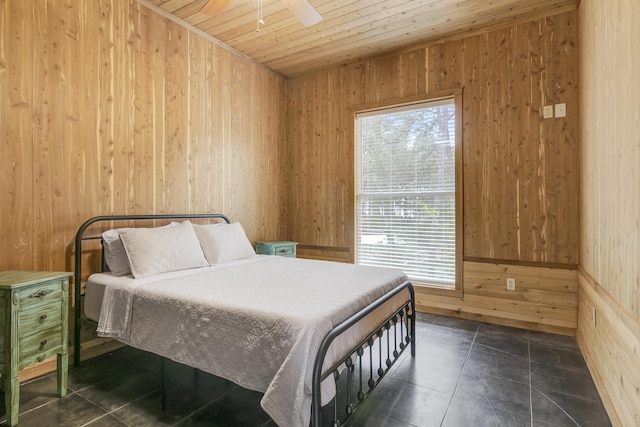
[302,9]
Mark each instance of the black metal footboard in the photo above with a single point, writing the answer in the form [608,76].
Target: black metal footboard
[392,336]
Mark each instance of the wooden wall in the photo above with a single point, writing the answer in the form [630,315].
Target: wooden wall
[520,171]
[109,108]
[610,202]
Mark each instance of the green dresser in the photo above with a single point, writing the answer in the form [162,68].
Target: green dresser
[33,318]
[279,247]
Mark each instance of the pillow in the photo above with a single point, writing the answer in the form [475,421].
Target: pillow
[223,242]
[114,253]
[162,249]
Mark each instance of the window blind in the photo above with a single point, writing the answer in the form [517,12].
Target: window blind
[405,190]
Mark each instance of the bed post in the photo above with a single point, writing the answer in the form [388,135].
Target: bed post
[413,321]
[77,283]
[407,309]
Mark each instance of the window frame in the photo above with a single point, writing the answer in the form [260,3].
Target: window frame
[456,96]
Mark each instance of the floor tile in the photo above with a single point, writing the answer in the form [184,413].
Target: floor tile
[33,394]
[502,394]
[515,334]
[558,407]
[427,318]
[549,379]
[239,407]
[464,373]
[464,412]
[561,358]
[147,411]
[117,391]
[434,375]
[71,411]
[453,328]
[106,421]
[509,340]
[371,419]
[440,348]
[553,340]
[488,361]
[105,367]
[408,403]
[546,411]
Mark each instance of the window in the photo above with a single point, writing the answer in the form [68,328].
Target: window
[407,190]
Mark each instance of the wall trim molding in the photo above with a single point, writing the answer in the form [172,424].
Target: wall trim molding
[609,339]
[631,324]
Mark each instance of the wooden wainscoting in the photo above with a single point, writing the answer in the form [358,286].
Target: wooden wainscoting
[610,342]
[544,299]
[327,253]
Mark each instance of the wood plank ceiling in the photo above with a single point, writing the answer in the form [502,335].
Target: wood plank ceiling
[350,30]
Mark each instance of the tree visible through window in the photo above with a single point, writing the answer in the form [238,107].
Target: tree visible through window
[406,190]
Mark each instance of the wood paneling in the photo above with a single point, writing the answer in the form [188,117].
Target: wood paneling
[323,253]
[351,30]
[112,108]
[545,299]
[520,171]
[16,118]
[609,339]
[610,202]
[320,142]
[610,129]
[109,108]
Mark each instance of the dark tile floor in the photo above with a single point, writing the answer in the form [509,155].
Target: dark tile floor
[464,374]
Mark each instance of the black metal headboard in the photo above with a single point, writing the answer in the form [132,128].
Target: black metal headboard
[80,237]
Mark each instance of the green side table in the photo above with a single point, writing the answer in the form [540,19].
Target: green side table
[277,247]
[33,323]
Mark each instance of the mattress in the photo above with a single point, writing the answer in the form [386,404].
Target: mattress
[257,322]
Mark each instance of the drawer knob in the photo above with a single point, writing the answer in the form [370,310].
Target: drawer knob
[41,293]
[41,358]
[42,344]
[44,316]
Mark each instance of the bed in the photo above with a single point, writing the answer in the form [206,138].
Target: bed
[288,328]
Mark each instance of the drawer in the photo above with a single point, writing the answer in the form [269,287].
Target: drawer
[39,318]
[289,251]
[39,346]
[40,294]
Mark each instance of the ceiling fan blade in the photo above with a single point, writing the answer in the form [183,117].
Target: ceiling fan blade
[304,11]
[215,7]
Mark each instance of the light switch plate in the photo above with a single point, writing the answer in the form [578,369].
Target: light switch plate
[561,110]
[547,111]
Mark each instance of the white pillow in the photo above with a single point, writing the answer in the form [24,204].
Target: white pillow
[114,253]
[223,242]
[163,249]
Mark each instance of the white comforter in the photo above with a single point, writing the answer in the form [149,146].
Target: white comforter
[258,322]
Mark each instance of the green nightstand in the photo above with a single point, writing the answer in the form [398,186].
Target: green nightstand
[279,247]
[33,323]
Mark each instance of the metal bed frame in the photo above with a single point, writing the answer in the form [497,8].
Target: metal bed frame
[399,330]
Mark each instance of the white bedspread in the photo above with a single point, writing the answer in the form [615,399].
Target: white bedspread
[257,322]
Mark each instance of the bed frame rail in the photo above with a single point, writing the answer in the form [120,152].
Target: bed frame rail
[403,319]
[77,276]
